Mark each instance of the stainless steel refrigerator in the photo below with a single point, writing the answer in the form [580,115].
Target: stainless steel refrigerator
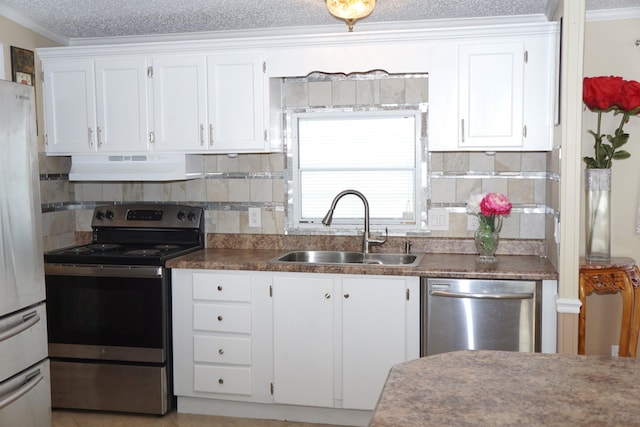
[25,392]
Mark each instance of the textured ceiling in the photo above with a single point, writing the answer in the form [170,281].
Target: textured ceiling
[72,19]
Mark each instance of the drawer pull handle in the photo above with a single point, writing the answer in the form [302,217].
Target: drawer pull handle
[219,287]
[220,381]
[221,351]
[220,318]
[346,295]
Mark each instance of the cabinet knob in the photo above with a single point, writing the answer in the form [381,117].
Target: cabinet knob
[220,351]
[220,381]
[220,318]
[346,295]
[219,287]
[327,295]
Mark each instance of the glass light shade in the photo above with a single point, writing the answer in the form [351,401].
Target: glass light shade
[351,10]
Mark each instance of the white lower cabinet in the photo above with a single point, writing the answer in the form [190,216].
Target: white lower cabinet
[293,341]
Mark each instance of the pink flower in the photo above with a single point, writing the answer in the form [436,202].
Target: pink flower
[495,204]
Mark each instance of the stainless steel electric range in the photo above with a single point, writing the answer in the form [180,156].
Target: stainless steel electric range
[109,308]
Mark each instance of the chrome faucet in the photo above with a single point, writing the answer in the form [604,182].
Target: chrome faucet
[367,241]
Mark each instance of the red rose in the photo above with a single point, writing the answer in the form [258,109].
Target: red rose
[629,96]
[601,92]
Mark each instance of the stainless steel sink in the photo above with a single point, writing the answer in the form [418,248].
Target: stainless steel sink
[347,257]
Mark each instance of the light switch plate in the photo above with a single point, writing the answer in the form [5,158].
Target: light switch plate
[438,219]
[255,219]
[472,222]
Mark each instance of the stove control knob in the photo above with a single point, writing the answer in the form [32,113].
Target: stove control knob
[109,215]
[100,215]
[192,216]
[181,215]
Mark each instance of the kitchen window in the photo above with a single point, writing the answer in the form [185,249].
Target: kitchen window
[379,152]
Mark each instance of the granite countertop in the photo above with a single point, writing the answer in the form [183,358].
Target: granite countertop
[515,267]
[495,388]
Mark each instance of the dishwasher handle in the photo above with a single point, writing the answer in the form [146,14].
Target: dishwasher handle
[498,296]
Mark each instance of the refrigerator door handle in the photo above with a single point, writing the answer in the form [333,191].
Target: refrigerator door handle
[28,320]
[30,382]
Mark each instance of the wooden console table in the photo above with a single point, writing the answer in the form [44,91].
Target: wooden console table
[619,275]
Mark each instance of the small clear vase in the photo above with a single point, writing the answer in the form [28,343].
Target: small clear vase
[487,240]
[598,215]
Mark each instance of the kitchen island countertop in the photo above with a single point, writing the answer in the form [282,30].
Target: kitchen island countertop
[495,388]
[513,267]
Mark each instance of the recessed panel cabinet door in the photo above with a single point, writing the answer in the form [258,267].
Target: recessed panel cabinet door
[236,103]
[70,107]
[491,87]
[122,105]
[180,103]
[373,336]
[303,341]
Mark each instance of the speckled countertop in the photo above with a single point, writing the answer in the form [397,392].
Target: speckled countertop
[494,388]
[522,267]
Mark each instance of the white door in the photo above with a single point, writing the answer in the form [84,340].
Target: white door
[373,336]
[491,80]
[236,97]
[122,105]
[303,341]
[69,103]
[179,103]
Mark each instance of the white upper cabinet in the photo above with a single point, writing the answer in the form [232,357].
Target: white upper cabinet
[69,107]
[209,103]
[96,106]
[180,103]
[121,108]
[490,101]
[491,95]
[236,89]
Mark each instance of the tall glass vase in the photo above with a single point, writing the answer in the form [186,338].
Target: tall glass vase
[598,215]
[487,237]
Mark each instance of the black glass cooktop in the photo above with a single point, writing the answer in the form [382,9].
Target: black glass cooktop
[118,254]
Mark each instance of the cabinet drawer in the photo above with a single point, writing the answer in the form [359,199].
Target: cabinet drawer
[214,379]
[222,350]
[222,318]
[222,287]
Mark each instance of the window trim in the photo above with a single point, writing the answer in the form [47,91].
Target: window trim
[293,224]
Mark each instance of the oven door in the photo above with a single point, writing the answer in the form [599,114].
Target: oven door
[117,313]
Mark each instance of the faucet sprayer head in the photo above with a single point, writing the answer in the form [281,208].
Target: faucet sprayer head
[328,217]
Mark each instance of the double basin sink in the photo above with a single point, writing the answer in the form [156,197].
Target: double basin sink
[349,258]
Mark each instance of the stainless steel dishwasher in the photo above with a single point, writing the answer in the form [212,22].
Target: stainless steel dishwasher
[460,314]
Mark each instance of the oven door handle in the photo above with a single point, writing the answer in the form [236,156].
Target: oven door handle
[31,381]
[102,270]
[28,320]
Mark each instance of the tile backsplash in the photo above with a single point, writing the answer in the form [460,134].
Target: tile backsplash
[233,184]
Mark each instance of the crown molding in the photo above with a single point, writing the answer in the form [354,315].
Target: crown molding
[30,24]
[613,14]
[364,30]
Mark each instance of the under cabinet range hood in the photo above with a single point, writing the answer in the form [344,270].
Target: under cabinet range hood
[143,167]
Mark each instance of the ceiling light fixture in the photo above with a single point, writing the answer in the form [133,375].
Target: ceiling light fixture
[351,10]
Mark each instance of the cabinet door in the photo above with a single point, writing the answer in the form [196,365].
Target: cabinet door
[374,336]
[122,105]
[69,103]
[179,103]
[236,103]
[303,341]
[491,83]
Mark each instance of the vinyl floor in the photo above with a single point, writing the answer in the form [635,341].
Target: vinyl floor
[63,418]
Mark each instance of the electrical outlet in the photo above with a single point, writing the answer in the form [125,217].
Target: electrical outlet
[614,350]
[255,217]
[438,219]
